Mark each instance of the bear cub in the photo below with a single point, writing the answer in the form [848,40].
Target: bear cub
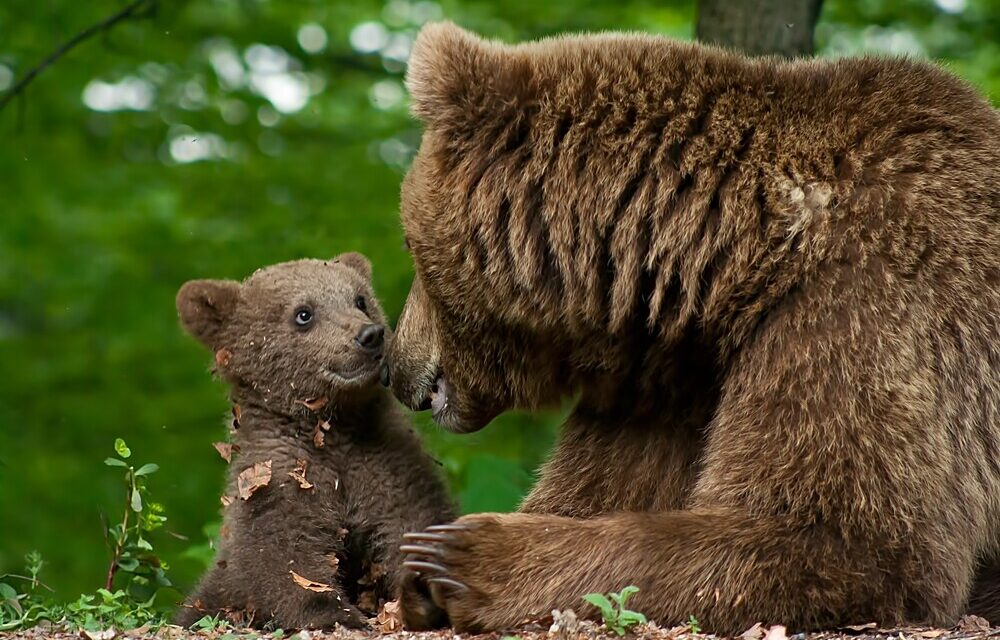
[326,473]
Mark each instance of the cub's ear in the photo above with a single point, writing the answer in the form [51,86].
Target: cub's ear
[358,262]
[455,77]
[205,306]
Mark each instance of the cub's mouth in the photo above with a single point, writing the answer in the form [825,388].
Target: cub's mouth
[361,375]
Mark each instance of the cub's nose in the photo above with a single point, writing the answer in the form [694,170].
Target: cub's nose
[370,337]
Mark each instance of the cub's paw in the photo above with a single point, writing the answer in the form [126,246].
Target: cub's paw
[417,608]
[461,573]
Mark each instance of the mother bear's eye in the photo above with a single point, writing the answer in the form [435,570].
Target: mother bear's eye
[303,316]
[361,303]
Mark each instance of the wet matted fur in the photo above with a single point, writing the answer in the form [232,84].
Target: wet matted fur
[287,339]
[775,287]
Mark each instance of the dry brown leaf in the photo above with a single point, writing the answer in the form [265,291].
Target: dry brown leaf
[225,450]
[755,632]
[106,634]
[932,633]
[237,414]
[313,404]
[324,425]
[319,438]
[388,619]
[311,585]
[332,560]
[299,473]
[253,478]
[342,534]
[226,500]
[222,357]
[973,623]
[777,632]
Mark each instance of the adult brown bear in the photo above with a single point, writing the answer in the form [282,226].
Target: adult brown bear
[774,287]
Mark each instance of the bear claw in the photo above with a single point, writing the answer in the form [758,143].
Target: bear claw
[420,566]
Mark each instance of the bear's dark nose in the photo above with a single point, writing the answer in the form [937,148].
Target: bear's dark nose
[370,337]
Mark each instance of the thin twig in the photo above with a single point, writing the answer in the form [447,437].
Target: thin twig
[120,544]
[133,10]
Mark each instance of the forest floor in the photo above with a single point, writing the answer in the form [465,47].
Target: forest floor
[969,627]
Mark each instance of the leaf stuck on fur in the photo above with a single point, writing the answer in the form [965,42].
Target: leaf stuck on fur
[222,357]
[225,450]
[299,473]
[313,404]
[253,479]
[311,585]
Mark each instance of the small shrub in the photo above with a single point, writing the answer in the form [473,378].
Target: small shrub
[613,612]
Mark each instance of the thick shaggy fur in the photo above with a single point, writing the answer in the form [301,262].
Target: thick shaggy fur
[371,479]
[775,287]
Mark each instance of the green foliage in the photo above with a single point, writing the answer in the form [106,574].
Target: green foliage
[211,623]
[615,615]
[106,213]
[132,554]
[107,609]
[693,624]
[133,564]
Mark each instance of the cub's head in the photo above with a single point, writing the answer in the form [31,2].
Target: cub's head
[293,331]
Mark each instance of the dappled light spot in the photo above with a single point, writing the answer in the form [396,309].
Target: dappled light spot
[6,77]
[267,116]
[386,94]
[369,37]
[274,75]
[187,146]
[312,38]
[226,63]
[128,94]
[951,6]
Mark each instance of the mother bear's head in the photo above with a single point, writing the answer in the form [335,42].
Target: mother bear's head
[471,341]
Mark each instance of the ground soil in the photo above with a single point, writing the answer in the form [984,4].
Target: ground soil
[968,628]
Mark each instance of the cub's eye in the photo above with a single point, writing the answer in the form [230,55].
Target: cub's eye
[303,316]
[361,303]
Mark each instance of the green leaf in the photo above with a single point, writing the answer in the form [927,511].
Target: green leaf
[143,544]
[147,469]
[136,501]
[114,462]
[128,564]
[627,593]
[7,592]
[601,602]
[631,618]
[121,448]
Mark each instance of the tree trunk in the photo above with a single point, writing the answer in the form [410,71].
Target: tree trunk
[760,27]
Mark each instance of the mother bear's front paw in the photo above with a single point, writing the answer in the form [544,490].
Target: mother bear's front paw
[464,571]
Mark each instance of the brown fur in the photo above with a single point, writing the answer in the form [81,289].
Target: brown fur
[775,287]
[371,479]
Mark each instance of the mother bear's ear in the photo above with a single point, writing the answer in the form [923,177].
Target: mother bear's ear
[205,308]
[456,78]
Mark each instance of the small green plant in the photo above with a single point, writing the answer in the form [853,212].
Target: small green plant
[131,551]
[134,566]
[693,624]
[612,607]
[19,608]
[211,623]
[111,609]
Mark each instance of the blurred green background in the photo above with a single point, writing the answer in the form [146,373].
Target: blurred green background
[211,138]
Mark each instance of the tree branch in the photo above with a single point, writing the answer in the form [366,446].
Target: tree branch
[763,27]
[135,9]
